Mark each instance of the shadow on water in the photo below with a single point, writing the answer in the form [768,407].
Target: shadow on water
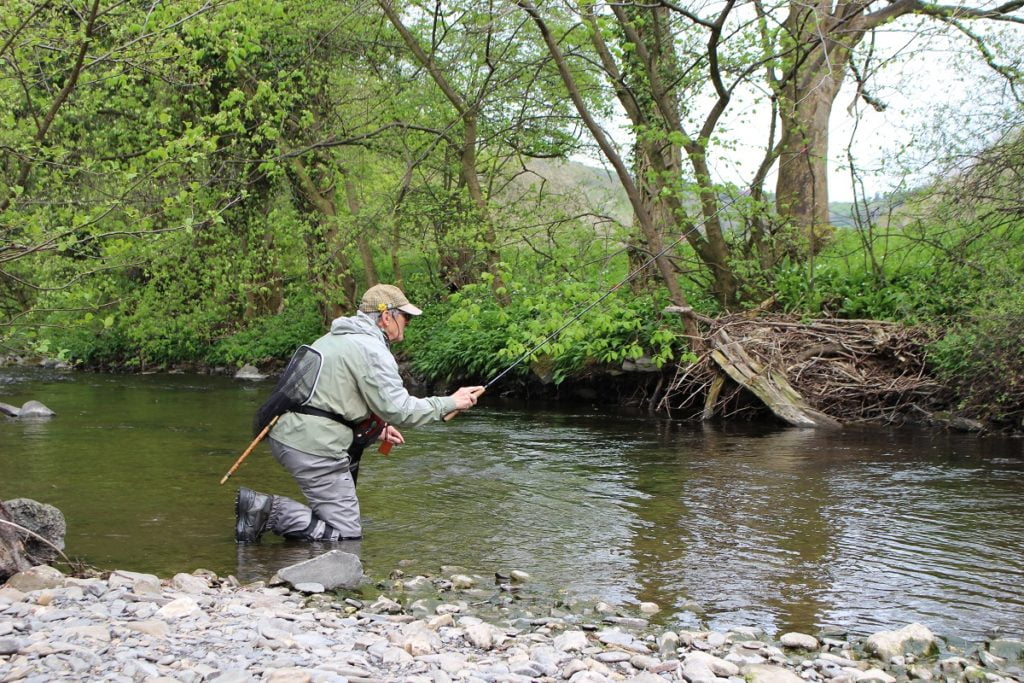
[741,525]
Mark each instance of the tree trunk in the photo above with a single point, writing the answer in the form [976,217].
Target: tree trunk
[476,194]
[362,241]
[467,154]
[649,70]
[640,209]
[328,263]
[801,192]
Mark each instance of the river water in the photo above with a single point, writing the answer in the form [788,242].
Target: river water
[758,525]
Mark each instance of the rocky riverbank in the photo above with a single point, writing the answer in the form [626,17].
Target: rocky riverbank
[196,627]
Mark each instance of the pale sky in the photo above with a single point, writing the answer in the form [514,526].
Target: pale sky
[928,87]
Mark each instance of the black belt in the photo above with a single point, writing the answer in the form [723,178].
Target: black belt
[363,432]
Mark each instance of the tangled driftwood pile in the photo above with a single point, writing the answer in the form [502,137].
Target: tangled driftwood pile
[810,373]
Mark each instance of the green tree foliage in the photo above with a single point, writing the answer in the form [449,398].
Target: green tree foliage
[213,182]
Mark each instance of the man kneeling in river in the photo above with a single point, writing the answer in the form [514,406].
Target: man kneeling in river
[356,396]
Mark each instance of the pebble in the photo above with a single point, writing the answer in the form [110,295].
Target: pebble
[199,627]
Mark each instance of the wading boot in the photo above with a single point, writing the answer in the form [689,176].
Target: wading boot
[252,510]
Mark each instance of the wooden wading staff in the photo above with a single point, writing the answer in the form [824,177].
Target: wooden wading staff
[255,442]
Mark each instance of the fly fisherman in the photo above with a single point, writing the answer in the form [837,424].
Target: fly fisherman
[335,397]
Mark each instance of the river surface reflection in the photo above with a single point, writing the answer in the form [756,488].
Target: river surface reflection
[757,525]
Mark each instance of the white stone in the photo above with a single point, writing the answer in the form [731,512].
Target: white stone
[571,641]
[800,641]
[646,677]
[462,581]
[179,608]
[418,639]
[921,672]
[309,587]
[874,676]
[769,673]
[94,632]
[9,594]
[449,608]
[289,675]
[717,665]
[120,578]
[650,607]
[480,635]
[573,666]
[384,604]
[187,583]
[396,655]
[716,639]
[417,583]
[644,662]
[41,577]
[911,639]
[451,662]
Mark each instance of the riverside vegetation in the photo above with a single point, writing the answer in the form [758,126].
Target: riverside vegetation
[198,185]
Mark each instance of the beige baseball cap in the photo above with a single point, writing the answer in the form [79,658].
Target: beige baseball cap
[380,298]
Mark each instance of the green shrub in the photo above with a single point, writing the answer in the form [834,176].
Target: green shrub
[275,337]
[471,336]
[982,359]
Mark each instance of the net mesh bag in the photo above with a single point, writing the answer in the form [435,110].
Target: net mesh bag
[294,388]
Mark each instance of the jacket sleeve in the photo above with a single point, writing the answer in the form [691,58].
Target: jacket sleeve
[386,395]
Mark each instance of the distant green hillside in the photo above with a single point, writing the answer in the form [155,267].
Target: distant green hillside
[578,187]
[575,188]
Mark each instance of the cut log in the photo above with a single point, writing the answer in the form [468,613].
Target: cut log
[766,383]
[709,403]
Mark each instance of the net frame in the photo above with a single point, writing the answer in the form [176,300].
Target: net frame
[294,388]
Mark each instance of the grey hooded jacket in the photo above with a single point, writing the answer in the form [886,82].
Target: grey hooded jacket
[359,376]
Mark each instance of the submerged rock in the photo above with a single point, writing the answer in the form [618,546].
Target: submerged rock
[250,372]
[1009,649]
[32,409]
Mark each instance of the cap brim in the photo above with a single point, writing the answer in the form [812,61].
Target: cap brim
[410,309]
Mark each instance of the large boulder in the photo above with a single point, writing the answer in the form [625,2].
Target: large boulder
[333,569]
[43,519]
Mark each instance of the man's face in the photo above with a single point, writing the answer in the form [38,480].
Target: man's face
[395,322]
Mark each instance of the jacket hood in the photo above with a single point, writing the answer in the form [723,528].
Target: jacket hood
[360,323]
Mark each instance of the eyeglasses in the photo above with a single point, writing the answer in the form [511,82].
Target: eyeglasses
[405,316]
